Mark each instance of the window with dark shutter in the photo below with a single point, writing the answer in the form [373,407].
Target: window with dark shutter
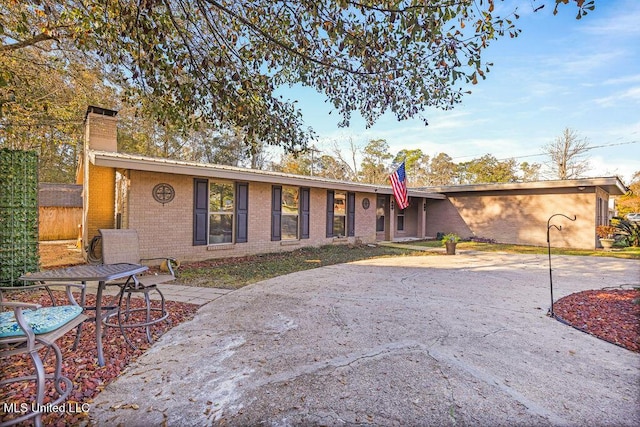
[290,213]
[339,214]
[330,197]
[242,212]
[200,211]
[351,214]
[276,213]
[304,212]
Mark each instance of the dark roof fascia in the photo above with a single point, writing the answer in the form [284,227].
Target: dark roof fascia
[613,185]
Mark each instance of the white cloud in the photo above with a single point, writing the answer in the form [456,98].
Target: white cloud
[578,61]
[622,23]
[613,166]
[634,78]
[632,94]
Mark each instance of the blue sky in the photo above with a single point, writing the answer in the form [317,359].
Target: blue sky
[559,73]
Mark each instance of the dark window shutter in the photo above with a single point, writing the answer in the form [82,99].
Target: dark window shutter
[200,211]
[330,200]
[276,213]
[242,211]
[304,208]
[351,214]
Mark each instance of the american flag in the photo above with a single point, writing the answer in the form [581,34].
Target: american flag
[399,185]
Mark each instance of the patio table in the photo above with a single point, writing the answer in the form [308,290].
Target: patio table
[101,273]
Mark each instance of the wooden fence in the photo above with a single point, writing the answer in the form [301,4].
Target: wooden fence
[59,223]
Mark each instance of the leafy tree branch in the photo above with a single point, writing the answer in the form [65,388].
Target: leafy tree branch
[190,62]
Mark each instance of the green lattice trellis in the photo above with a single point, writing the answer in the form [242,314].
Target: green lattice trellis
[18,214]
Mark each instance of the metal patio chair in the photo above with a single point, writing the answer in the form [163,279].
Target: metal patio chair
[122,246]
[25,328]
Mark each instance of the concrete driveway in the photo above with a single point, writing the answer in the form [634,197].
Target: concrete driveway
[434,340]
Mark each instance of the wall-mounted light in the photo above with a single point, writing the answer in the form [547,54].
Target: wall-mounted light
[581,188]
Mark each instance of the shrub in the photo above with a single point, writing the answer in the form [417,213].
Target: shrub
[482,240]
[629,229]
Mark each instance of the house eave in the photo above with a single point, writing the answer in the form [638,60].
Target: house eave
[152,164]
[613,185]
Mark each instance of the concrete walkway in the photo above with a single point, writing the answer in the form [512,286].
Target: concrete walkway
[189,294]
[439,340]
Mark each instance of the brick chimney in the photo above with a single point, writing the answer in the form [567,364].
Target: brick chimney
[101,129]
[98,183]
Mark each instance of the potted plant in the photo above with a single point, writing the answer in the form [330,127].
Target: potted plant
[606,234]
[450,240]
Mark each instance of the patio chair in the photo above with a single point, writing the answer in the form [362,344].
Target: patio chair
[122,246]
[25,328]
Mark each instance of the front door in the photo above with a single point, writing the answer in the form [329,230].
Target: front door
[382,217]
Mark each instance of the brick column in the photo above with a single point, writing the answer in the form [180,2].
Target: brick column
[98,195]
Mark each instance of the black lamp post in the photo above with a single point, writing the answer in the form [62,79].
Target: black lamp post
[559,228]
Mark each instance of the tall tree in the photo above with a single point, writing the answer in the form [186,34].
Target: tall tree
[348,162]
[416,166]
[222,147]
[487,169]
[567,155]
[442,170]
[331,167]
[374,167]
[630,202]
[295,163]
[530,171]
[44,111]
[42,106]
[138,135]
[188,61]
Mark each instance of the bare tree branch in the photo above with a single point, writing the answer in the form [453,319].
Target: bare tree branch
[26,43]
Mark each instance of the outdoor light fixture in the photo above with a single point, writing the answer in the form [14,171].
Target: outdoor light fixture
[580,188]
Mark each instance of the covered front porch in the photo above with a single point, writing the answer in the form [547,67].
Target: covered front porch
[393,224]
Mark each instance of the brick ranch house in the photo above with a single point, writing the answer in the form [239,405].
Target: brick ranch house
[194,211]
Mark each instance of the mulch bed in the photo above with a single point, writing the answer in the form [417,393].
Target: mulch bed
[81,365]
[609,314]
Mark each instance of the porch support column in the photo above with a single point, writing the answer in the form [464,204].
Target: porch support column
[392,217]
[422,218]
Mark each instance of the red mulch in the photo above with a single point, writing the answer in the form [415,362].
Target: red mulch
[81,365]
[609,314]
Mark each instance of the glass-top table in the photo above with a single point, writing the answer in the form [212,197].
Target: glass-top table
[101,273]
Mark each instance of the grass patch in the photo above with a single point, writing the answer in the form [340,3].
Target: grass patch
[626,253]
[234,273]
